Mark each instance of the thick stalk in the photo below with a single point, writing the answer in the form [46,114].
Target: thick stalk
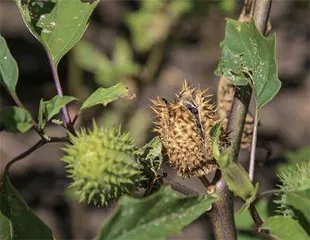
[221,214]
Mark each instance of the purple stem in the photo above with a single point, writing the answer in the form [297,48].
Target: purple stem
[65,113]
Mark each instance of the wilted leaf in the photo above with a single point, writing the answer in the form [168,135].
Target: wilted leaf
[48,109]
[249,58]
[57,24]
[154,217]
[15,120]
[105,95]
[285,228]
[8,68]
[16,219]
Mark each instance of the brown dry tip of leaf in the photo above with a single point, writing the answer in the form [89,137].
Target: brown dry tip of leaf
[184,127]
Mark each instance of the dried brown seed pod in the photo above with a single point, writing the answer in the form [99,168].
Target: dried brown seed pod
[184,127]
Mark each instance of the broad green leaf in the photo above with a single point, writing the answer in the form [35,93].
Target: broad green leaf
[57,24]
[105,95]
[237,180]
[249,58]
[8,68]
[285,228]
[15,120]
[154,217]
[48,109]
[16,219]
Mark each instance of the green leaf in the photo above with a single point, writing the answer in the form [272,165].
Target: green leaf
[295,188]
[154,217]
[148,28]
[151,156]
[16,219]
[105,95]
[249,58]
[285,228]
[299,200]
[245,222]
[15,120]
[57,24]
[237,180]
[302,154]
[215,134]
[48,109]
[123,60]
[8,68]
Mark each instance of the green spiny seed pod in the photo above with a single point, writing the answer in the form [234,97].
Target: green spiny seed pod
[102,165]
[294,178]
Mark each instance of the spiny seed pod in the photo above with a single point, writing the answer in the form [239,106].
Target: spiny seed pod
[102,165]
[184,128]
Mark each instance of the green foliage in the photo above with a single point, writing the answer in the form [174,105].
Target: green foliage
[105,95]
[151,158]
[107,72]
[15,120]
[285,228]
[57,24]
[16,219]
[245,222]
[249,58]
[8,68]
[295,189]
[48,109]
[102,165]
[154,217]
[236,178]
[152,23]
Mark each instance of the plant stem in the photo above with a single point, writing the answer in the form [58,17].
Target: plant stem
[253,147]
[221,214]
[65,113]
[39,144]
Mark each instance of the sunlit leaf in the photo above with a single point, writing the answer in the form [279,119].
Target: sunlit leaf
[57,24]
[285,228]
[8,68]
[154,217]
[48,109]
[249,58]
[105,95]
[16,219]
[15,120]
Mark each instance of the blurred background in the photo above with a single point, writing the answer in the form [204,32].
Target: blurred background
[151,46]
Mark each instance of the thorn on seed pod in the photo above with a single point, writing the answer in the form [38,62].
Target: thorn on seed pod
[184,127]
